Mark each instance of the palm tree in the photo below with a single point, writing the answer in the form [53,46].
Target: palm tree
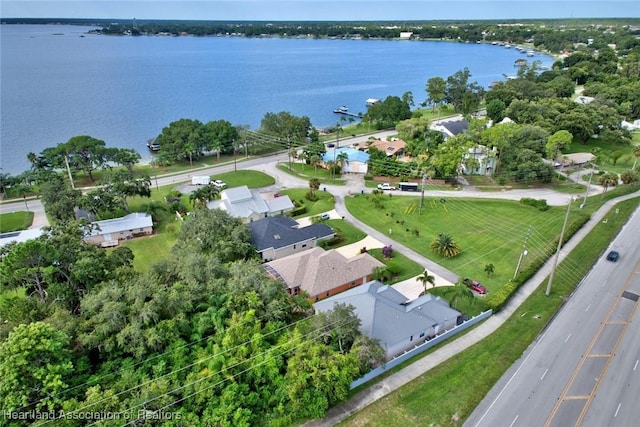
[457,292]
[608,180]
[426,278]
[445,246]
[489,269]
[342,159]
[314,185]
[636,153]
[203,195]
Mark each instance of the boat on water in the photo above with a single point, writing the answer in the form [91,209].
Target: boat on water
[530,53]
[341,110]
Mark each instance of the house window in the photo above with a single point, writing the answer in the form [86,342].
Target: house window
[328,293]
[421,334]
[304,246]
[411,338]
[294,246]
[296,290]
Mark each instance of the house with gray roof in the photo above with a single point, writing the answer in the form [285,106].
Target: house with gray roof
[280,236]
[387,315]
[20,236]
[321,273]
[249,205]
[109,232]
[450,128]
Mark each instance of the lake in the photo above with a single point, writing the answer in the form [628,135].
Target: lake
[58,81]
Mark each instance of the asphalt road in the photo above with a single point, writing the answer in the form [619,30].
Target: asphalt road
[585,368]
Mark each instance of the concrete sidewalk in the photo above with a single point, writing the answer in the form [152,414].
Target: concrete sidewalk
[397,380]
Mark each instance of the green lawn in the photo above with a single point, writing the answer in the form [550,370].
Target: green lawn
[469,375]
[349,232]
[407,268]
[250,178]
[308,172]
[15,221]
[488,231]
[153,249]
[324,203]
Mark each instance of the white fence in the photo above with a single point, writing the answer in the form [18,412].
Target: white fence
[420,348]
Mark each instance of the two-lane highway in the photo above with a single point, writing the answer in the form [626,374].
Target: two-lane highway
[584,369]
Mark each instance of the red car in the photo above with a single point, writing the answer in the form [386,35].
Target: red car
[475,286]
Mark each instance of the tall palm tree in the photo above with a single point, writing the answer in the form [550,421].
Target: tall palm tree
[426,278]
[342,159]
[445,246]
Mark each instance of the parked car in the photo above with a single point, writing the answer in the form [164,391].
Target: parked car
[386,186]
[325,216]
[219,184]
[475,286]
[613,256]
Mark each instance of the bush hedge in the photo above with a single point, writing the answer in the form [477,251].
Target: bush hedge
[540,204]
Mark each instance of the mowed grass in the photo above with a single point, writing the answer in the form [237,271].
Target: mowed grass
[324,203]
[15,221]
[447,394]
[488,231]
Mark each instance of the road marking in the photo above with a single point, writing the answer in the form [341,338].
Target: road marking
[587,309]
[617,409]
[603,283]
[514,421]
[567,339]
[636,365]
[545,373]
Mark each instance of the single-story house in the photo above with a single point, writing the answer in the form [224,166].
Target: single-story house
[479,160]
[248,205]
[322,273]
[280,236]
[450,128]
[357,161]
[110,231]
[20,236]
[393,148]
[577,159]
[388,316]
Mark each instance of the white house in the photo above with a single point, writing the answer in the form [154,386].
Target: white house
[479,160]
[357,161]
[248,205]
[109,232]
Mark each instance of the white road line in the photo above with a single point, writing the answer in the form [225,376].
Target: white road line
[587,309]
[507,385]
[636,365]
[514,421]
[567,339]
[603,283]
[545,373]
[617,409]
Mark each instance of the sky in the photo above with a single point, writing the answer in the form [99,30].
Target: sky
[318,10]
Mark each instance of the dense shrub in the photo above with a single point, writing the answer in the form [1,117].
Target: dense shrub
[540,204]
[496,300]
[300,210]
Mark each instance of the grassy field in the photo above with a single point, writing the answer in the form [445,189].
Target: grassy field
[624,151]
[15,221]
[467,377]
[488,231]
[407,268]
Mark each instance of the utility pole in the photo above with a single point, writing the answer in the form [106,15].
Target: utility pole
[424,179]
[523,253]
[66,161]
[555,262]
[584,202]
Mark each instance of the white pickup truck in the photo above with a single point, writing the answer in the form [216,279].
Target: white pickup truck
[386,186]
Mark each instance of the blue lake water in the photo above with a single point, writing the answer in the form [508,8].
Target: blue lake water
[58,82]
